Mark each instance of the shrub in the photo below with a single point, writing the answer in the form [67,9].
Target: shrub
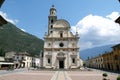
[118,78]
[104,74]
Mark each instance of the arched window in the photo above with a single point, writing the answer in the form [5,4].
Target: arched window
[51,26]
[52,21]
[61,35]
[51,31]
[52,12]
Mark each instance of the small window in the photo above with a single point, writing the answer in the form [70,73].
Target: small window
[73,44]
[52,21]
[49,44]
[51,26]
[48,52]
[49,60]
[73,60]
[51,31]
[52,12]
[22,57]
[116,57]
[61,35]
[17,57]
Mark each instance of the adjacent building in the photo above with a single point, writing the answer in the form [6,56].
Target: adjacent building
[106,61]
[4,64]
[96,62]
[21,60]
[116,57]
[36,63]
[9,56]
[61,47]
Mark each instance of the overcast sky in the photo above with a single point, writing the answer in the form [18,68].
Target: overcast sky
[93,19]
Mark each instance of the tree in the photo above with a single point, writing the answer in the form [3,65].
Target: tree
[2,52]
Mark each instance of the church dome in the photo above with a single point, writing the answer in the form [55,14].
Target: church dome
[61,23]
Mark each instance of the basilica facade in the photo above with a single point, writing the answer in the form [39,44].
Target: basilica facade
[61,47]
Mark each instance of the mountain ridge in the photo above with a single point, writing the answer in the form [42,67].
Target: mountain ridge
[14,39]
[92,52]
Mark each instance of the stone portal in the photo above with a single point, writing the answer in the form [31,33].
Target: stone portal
[61,64]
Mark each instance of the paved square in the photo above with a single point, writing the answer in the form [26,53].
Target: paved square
[28,75]
[56,75]
[90,75]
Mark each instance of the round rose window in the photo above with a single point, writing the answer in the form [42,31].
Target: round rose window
[61,44]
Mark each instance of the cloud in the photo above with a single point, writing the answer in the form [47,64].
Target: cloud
[95,30]
[5,16]
[23,30]
[113,16]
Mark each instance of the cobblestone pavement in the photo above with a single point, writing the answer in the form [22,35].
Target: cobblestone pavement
[57,75]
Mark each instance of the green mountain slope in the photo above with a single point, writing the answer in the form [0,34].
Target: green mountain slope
[14,39]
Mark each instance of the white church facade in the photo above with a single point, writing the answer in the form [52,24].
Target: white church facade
[61,47]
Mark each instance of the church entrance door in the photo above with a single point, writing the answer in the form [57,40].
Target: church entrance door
[61,64]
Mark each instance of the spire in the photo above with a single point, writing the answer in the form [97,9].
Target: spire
[53,11]
[52,8]
[52,5]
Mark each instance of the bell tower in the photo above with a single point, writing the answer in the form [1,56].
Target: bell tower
[51,19]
